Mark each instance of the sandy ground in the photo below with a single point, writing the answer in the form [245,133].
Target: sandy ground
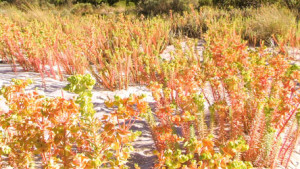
[144,145]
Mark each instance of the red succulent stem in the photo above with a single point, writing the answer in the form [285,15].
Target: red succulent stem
[286,122]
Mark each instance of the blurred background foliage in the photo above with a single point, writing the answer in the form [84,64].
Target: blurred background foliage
[258,20]
[162,6]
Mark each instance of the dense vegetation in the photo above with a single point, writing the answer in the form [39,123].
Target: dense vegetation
[236,3]
[177,5]
[232,106]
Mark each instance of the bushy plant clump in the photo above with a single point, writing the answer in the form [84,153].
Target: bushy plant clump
[255,24]
[155,7]
[65,133]
[266,22]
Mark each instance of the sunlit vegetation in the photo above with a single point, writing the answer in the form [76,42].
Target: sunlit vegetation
[234,105]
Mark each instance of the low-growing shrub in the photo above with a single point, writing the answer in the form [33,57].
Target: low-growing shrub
[65,133]
[266,22]
[154,7]
[191,24]
[244,3]
[253,89]
[82,9]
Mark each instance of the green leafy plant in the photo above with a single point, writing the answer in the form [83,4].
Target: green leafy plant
[82,85]
[202,154]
